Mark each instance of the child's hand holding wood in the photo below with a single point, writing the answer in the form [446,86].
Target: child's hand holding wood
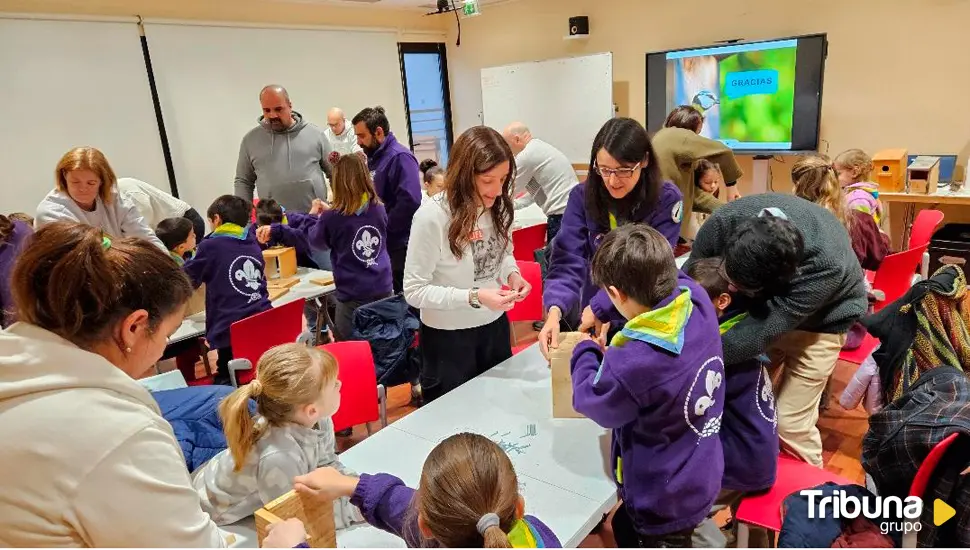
[263,234]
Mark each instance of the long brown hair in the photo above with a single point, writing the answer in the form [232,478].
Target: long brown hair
[857,161]
[86,158]
[77,283]
[465,477]
[477,151]
[815,180]
[287,377]
[351,181]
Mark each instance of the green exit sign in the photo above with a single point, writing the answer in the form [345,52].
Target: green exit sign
[470,8]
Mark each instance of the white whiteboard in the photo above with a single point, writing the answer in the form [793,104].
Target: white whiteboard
[564,101]
[209,77]
[67,84]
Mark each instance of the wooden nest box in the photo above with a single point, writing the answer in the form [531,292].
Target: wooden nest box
[317,517]
[924,174]
[280,262]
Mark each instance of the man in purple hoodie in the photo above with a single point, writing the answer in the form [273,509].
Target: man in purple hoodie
[397,179]
[659,387]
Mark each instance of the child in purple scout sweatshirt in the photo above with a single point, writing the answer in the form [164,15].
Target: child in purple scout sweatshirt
[658,386]
[14,236]
[354,228]
[230,263]
[454,506]
[279,228]
[749,430]
[624,186]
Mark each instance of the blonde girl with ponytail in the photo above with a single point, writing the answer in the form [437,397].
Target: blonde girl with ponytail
[295,391]
[468,497]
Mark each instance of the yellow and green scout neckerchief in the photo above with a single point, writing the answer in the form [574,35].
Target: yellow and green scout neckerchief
[524,535]
[728,324]
[364,202]
[231,230]
[662,327]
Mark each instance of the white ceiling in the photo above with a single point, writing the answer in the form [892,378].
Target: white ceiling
[425,5]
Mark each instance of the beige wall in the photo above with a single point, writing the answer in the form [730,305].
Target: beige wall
[249,11]
[896,75]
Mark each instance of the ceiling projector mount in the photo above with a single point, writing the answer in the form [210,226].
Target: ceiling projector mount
[469,8]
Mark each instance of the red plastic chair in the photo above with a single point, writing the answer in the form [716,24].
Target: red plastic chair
[527,240]
[895,276]
[529,309]
[923,228]
[922,479]
[252,336]
[362,399]
[764,509]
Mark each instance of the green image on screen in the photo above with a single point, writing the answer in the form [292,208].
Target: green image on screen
[759,117]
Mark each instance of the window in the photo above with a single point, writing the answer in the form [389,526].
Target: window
[427,99]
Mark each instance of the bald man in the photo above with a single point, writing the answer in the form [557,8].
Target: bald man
[543,173]
[284,157]
[341,134]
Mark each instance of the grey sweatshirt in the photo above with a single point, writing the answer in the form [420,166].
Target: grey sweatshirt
[281,454]
[290,166]
[827,294]
[119,219]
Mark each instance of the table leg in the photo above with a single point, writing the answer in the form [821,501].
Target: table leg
[205,358]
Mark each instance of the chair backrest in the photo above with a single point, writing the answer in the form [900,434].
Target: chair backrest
[529,309]
[358,390]
[895,275]
[527,240]
[252,336]
[923,227]
[925,472]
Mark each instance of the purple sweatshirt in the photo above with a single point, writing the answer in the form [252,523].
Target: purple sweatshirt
[287,235]
[397,179]
[659,387]
[568,284]
[385,502]
[230,263]
[9,251]
[361,265]
[749,430]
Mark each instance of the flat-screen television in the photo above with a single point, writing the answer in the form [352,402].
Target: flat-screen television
[756,97]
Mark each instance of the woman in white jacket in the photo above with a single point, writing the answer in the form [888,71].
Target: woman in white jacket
[86,191]
[459,257]
[88,460]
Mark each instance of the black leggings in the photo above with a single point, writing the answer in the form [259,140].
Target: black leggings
[198,224]
[627,536]
[453,357]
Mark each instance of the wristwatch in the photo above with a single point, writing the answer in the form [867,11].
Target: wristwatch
[473,298]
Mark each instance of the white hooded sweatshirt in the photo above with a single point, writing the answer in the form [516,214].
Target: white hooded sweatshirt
[88,460]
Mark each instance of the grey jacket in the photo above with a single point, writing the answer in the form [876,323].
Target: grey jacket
[290,166]
[827,294]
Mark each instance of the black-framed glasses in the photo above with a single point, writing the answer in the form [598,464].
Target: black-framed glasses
[734,287]
[622,173]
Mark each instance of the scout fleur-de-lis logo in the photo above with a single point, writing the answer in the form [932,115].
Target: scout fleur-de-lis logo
[245,276]
[765,397]
[249,274]
[367,245]
[703,404]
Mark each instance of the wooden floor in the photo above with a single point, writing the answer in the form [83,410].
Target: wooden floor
[842,431]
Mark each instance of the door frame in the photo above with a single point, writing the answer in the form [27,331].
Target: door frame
[433,48]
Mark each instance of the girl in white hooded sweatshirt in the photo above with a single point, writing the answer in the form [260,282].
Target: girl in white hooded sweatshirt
[88,460]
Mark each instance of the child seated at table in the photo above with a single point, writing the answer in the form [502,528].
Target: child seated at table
[178,236]
[230,264]
[749,428]
[354,228]
[658,386]
[295,388]
[468,497]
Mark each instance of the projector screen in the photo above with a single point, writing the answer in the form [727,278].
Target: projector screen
[67,84]
[755,97]
[209,77]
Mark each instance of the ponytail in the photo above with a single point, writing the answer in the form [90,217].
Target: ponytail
[492,533]
[242,431]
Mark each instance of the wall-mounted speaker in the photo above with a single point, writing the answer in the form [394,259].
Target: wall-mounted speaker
[579,25]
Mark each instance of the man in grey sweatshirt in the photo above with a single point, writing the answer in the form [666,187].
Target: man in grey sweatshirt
[284,157]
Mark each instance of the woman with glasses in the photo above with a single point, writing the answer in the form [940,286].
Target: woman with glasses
[624,186]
